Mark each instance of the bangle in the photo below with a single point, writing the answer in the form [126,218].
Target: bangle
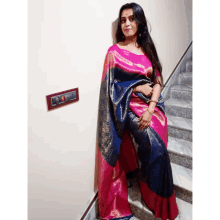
[149,112]
[152,101]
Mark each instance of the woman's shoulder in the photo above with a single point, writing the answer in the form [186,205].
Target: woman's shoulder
[116,46]
[112,48]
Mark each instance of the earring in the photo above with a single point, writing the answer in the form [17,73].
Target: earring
[140,35]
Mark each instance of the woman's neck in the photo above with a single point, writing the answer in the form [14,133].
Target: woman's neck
[131,41]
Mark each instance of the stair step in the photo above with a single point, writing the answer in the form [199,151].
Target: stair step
[182,123]
[136,204]
[180,152]
[180,146]
[183,194]
[182,177]
[179,103]
[182,160]
[179,107]
[142,212]
[179,127]
[185,210]
[189,64]
[181,92]
[185,78]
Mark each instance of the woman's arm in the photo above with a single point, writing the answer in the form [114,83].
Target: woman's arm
[145,118]
[144,89]
[156,93]
[154,97]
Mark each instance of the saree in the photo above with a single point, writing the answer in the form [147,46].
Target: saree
[124,148]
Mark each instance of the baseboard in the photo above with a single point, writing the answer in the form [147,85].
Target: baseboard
[91,213]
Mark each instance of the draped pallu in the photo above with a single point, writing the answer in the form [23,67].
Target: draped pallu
[118,134]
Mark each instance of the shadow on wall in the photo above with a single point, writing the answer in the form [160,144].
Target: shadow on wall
[114,27]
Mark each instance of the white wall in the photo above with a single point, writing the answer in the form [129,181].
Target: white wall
[67,44]
[171,22]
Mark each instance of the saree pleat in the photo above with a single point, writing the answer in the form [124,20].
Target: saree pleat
[118,134]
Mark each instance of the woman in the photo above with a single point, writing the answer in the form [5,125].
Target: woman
[131,111]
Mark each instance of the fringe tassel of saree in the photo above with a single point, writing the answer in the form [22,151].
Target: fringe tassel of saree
[119,109]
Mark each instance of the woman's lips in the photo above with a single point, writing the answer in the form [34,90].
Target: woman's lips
[127,29]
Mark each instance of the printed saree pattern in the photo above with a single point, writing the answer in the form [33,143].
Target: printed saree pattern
[119,109]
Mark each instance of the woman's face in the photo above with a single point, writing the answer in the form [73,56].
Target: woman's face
[128,24]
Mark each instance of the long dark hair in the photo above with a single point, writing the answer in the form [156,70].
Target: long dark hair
[144,39]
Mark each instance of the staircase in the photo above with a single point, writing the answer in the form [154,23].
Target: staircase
[178,105]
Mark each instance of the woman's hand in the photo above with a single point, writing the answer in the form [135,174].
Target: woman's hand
[144,89]
[145,120]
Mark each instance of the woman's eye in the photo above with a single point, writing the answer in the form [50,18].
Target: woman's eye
[131,19]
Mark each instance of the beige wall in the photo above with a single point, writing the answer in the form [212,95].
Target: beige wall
[67,44]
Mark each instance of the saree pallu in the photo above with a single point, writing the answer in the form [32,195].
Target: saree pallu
[119,109]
